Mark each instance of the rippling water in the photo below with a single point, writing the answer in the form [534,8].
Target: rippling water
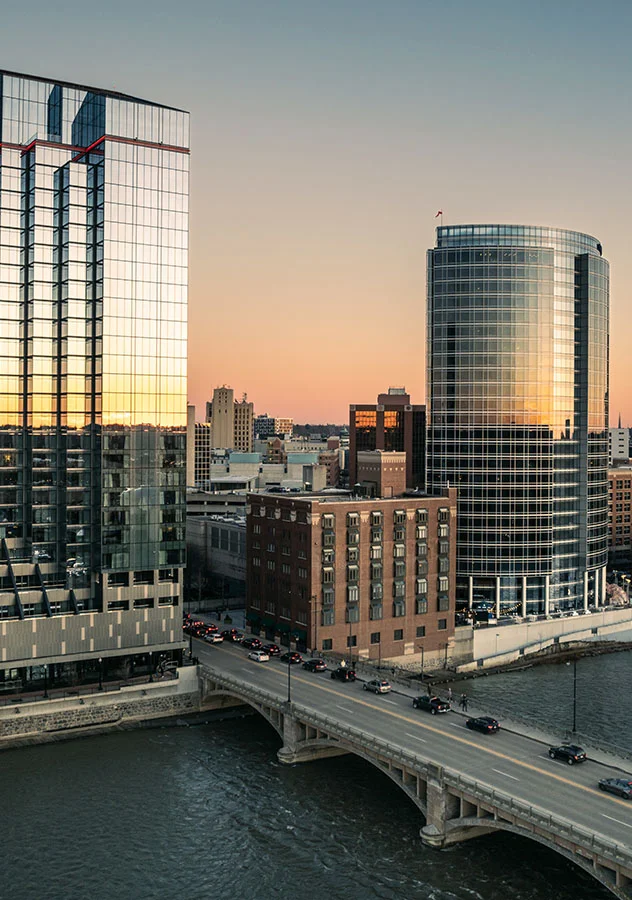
[206,812]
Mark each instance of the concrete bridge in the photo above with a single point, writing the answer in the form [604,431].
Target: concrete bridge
[455,805]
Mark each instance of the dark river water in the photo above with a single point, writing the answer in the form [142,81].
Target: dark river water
[206,812]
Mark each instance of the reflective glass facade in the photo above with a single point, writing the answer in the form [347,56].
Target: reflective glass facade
[93,294]
[518,411]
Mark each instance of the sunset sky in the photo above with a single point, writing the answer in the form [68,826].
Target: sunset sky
[326,135]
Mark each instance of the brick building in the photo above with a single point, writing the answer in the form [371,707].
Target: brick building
[619,509]
[332,572]
[392,424]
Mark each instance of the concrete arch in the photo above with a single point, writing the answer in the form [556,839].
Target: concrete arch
[272,717]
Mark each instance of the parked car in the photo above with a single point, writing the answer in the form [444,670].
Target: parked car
[211,628]
[213,638]
[232,635]
[344,673]
[315,665]
[252,644]
[433,705]
[378,686]
[292,659]
[570,753]
[258,656]
[272,649]
[619,786]
[484,724]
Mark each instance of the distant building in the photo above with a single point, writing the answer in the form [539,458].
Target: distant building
[372,578]
[243,425]
[232,421]
[619,509]
[284,426]
[618,444]
[392,424]
[382,473]
[216,558]
[264,426]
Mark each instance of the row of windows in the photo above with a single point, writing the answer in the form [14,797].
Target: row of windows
[376,612]
[377,518]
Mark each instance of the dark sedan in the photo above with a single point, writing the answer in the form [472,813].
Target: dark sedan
[272,649]
[292,659]
[233,636]
[619,786]
[570,753]
[344,673]
[432,705]
[484,724]
[252,643]
[315,665]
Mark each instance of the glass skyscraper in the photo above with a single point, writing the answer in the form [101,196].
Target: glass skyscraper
[93,303]
[518,411]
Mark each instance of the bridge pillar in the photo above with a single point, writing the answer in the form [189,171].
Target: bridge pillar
[302,743]
[444,817]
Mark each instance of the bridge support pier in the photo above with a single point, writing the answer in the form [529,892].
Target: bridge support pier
[444,812]
[303,743]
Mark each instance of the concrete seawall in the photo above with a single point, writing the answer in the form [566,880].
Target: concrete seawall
[59,719]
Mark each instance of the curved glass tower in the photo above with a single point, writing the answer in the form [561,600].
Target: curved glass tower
[518,411]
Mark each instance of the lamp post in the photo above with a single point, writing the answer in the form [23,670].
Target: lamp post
[421,647]
[46,682]
[350,638]
[314,640]
[100,674]
[289,679]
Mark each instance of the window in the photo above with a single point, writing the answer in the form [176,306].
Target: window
[377,591]
[398,634]
[422,548]
[422,567]
[329,596]
[328,521]
[442,624]
[399,534]
[399,517]
[376,553]
[376,571]
[328,617]
[328,575]
[286,550]
[375,637]
[353,554]
[271,548]
[421,631]
[353,573]
[443,584]
[376,517]
[399,568]
[256,529]
[421,516]
[421,532]
[421,606]
[375,611]
[329,556]
[399,550]
[444,531]
[444,514]
[376,535]
[421,586]
[399,609]
[353,594]
[271,565]
[286,569]
[443,603]
[329,539]
[353,520]
[256,545]
[285,612]
[256,561]
[351,640]
[444,564]
[302,573]
[353,537]
[444,548]
[328,644]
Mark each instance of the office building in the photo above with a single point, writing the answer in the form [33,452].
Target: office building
[93,241]
[264,427]
[284,426]
[371,577]
[381,473]
[220,413]
[243,425]
[518,411]
[620,510]
[392,424]
[619,444]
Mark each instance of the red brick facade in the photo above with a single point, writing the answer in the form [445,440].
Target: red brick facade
[316,562]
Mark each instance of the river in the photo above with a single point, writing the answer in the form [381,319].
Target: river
[206,813]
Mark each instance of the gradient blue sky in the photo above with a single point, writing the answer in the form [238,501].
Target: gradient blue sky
[325,136]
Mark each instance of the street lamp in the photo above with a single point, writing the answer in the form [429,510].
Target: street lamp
[46,682]
[289,678]
[421,647]
[314,641]
[100,674]
[350,639]
[574,694]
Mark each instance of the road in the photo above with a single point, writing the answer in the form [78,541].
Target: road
[507,762]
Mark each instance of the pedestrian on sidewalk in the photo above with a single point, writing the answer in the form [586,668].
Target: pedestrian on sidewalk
[464,702]
[450,694]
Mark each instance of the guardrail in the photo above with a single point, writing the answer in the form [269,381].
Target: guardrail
[533,814]
[81,690]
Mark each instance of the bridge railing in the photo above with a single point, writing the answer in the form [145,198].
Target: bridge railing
[535,815]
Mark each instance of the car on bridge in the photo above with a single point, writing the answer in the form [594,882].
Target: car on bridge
[432,705]
[378,686]
[258,656]
[484,724]
[570,753]
[619,786]
[252,644]
[315,665]
[292,659]
[272,649]
[213,637]
[343,673]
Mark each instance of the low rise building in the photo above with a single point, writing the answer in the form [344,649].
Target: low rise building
[373,577]
[216,552]
[620,510]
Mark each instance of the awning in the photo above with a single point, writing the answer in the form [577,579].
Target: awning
[282,627]
[267,622]
[300,634]
[253,617]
